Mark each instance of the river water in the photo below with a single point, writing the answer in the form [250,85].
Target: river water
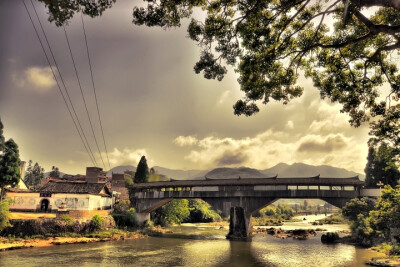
[198,245]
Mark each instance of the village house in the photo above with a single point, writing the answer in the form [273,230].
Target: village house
[81,197]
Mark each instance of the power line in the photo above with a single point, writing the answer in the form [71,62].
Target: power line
[94,90]
[58,85]
[62,81]
[83,96]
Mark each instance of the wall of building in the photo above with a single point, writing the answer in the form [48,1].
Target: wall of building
[82,202]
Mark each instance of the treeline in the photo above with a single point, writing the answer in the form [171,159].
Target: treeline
[376,223]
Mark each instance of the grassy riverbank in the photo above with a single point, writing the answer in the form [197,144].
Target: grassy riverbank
[10,243]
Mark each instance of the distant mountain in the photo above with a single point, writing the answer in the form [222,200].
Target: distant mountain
[281,169]
[305,170]
[180,174]
[242,172]
[120,169]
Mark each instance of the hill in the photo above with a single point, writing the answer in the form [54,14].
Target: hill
[120,169]
[305,170]
[242,172]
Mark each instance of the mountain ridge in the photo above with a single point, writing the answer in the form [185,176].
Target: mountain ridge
[281,170]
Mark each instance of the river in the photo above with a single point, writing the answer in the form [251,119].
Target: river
[198,245]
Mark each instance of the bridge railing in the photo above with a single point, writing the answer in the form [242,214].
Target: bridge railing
[252,188]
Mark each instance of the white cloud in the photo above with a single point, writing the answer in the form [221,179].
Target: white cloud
[126,156]
[185,140]
[37,79]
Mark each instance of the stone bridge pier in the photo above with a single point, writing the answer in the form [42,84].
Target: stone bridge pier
[240,210]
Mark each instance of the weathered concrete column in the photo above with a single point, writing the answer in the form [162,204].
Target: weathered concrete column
[239,225]
[143,217]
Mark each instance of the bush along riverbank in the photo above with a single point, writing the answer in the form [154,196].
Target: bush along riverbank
[48,232]
[377,224]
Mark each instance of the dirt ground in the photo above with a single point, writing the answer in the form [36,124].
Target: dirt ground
[30,215]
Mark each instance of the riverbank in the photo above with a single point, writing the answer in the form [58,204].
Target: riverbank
[39,241]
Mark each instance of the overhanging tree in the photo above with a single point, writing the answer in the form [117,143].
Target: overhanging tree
[142,171]
[9,167]
[348,49]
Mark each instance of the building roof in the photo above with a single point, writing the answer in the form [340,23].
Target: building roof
[75,187]
[317,180]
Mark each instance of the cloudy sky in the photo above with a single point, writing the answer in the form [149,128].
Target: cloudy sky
[151,102]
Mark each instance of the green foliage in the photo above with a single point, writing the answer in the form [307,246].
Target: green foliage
[381,166]
[95,222]
[174,212]
[4,214]
[273,215]
[201,211]
[357,206]
[9,166]
[387,211]
[389,249]
[376,222]
[128,180]
[156,177]
[142,171]
[336,218]
[122,206]
[34,175]
[126,218]
[66,218]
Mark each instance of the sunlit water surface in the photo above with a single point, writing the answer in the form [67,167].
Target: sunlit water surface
[197,245]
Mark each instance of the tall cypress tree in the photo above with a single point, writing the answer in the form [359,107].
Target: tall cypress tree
[10,166]
[142,171]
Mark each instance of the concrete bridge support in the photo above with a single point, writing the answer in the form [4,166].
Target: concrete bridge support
[143,217]
[239,225]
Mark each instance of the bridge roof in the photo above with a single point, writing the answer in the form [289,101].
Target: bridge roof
[351,181]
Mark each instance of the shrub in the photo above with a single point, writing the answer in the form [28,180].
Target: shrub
[4,214]
[66,218]
[95,223]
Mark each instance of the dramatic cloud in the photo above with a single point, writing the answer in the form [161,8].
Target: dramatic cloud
[269,148]
[328,144]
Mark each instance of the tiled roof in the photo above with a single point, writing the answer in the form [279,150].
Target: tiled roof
[74,187]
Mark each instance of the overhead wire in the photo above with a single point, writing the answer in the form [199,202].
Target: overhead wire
[83,96]
[58,84]
[94,90]
[65,87]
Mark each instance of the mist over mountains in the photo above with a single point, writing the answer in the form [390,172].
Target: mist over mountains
[281,169]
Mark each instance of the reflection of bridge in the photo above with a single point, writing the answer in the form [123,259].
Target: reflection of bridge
[241,197]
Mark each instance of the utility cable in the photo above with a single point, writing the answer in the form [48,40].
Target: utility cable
[94,90]
[62,81]
[83,96]
[58,84]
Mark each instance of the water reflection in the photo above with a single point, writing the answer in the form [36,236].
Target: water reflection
[263,250]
